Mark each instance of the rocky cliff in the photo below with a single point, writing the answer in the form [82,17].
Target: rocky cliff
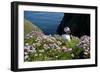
[78,23]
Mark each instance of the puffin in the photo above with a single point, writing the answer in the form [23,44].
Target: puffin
[66,35]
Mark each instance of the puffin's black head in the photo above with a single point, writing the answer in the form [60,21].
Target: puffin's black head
[67,30]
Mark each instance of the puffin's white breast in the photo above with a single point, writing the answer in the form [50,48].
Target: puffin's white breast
[66,37]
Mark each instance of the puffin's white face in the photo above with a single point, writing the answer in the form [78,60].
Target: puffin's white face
[67,29]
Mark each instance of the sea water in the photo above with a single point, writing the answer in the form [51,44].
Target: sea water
[48,22]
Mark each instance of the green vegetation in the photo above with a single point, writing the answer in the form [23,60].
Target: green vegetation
[52,48]
[41,47]
[29,27]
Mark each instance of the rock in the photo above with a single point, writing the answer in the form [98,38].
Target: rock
[79,24]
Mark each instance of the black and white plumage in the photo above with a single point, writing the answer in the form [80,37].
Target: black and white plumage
[66,36]
[67,30]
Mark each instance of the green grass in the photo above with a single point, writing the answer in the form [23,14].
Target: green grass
[72,43]
[29,27]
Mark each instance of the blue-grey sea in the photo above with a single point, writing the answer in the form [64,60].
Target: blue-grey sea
[46,21]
